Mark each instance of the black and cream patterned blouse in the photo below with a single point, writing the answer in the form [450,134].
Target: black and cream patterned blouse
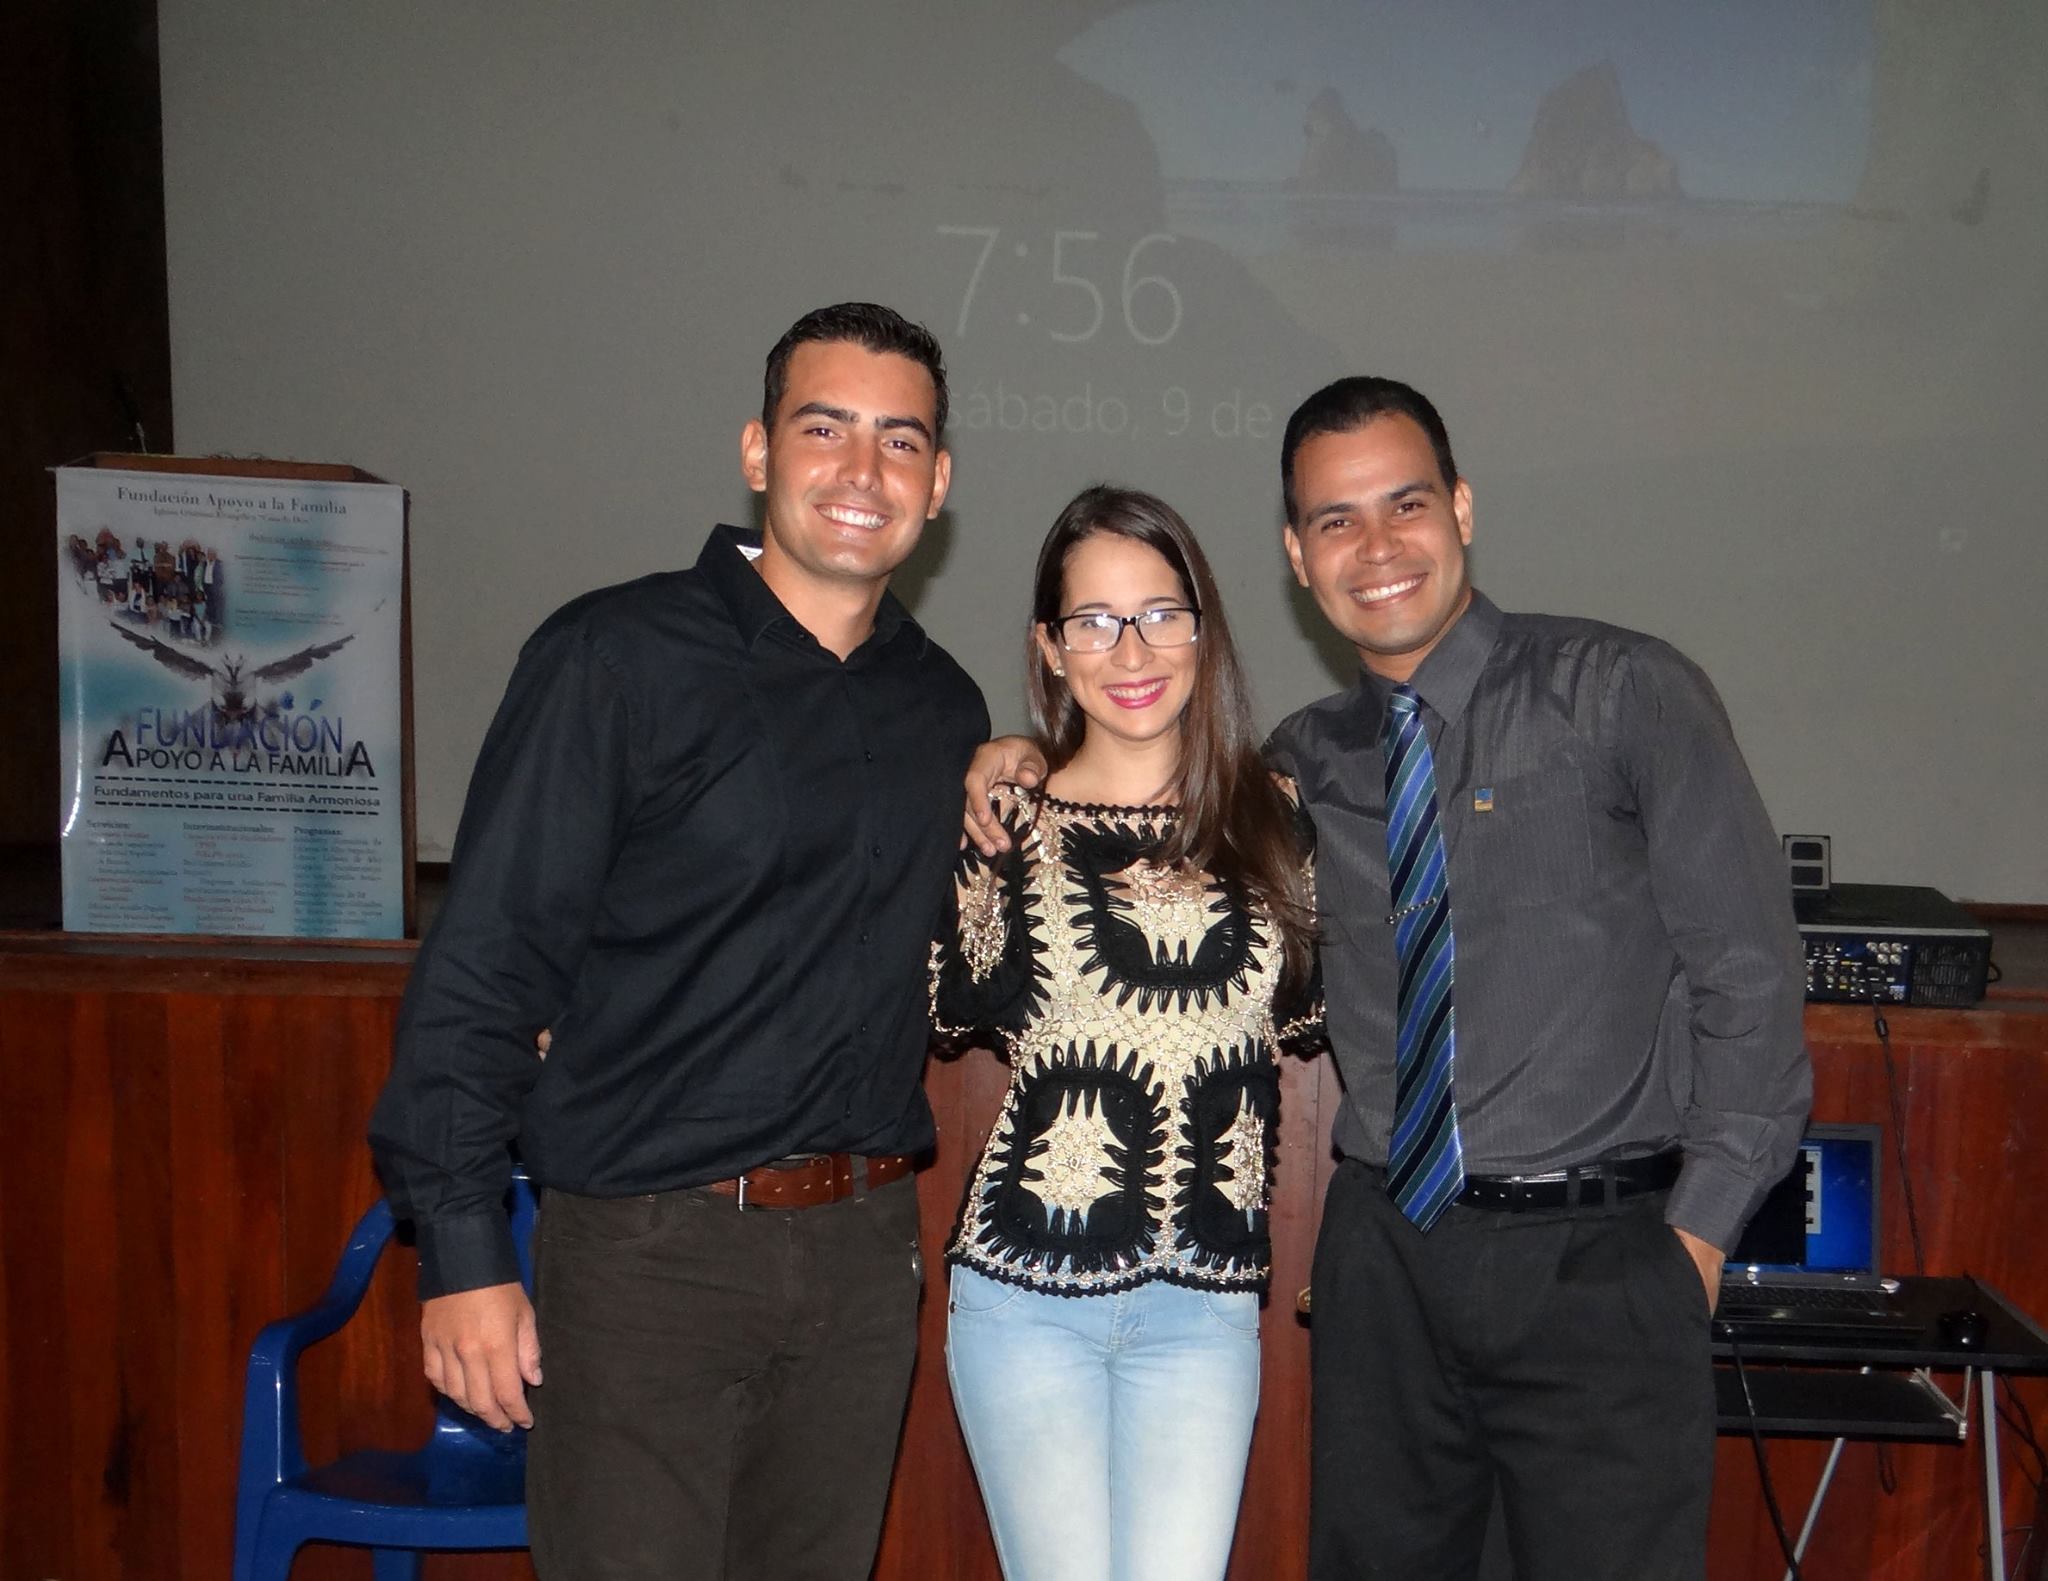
[1136,1006]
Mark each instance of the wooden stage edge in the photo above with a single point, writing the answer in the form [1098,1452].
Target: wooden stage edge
[186,1158]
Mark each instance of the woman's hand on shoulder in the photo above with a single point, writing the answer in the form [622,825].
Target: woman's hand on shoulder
[1304,825]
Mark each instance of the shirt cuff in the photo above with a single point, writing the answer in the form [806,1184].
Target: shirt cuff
[1711,1201]
[467,1252]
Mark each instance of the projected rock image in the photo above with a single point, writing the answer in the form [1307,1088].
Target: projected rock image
[1546,127]
[1342,156]
[1582,146]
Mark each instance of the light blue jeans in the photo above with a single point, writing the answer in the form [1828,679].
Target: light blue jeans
[1109,1432]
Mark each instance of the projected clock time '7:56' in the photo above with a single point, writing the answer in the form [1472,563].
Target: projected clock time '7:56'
[1084,288]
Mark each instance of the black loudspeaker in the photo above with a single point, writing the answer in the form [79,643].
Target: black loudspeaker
[1810,863]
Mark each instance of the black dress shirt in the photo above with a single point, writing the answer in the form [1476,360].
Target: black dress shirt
[1628,973]
[710,857]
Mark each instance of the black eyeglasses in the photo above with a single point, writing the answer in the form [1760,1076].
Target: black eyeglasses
[1167,626]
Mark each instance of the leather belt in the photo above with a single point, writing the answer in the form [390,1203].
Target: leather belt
[1583,1185]
[809,1180]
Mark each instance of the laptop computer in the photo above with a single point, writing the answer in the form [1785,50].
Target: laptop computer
[1807,1263]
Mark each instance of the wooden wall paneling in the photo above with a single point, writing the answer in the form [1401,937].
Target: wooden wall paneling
[186,1160]
[10,1326]
[464,1567]
[40,1409]
[94,1489]
[1740,1544]
[226,1279]
[138,1226]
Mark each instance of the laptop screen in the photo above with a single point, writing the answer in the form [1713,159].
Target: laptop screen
[1822,1217]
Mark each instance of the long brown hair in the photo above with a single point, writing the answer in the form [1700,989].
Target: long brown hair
[1234,821]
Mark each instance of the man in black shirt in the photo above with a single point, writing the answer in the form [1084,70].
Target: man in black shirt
[706,845]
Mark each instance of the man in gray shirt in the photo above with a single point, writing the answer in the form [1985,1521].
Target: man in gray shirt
[1565,997]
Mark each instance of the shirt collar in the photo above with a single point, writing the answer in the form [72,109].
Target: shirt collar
[727,562]
[1446,679]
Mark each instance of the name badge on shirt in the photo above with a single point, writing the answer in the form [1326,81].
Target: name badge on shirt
[1482,799]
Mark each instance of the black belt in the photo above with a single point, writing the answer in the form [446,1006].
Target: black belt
[1583,1185]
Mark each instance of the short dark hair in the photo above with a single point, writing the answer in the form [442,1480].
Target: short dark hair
[1234,820]
[1348,405]
[866,324]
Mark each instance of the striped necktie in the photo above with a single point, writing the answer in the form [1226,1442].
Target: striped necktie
[1425,1162]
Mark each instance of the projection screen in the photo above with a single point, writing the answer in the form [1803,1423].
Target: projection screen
[1736,312]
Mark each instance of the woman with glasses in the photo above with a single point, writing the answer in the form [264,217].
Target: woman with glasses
[1139,954]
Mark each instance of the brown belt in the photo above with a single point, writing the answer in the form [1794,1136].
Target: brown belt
[810,1181]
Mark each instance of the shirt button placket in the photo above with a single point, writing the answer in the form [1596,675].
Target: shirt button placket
[860,724]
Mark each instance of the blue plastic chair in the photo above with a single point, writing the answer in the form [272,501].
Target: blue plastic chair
[464,1488]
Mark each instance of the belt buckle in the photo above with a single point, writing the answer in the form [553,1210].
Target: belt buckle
[794,1159]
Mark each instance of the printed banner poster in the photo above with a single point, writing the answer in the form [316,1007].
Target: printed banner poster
[229,704]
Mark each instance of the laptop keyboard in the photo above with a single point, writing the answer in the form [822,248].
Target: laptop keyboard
[1746,1312]
[1748,1298]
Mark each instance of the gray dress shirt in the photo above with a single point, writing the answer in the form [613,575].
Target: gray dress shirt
[1628,973]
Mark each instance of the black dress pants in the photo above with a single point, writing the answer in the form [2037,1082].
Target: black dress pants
[724,1389]
[1558,1359]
